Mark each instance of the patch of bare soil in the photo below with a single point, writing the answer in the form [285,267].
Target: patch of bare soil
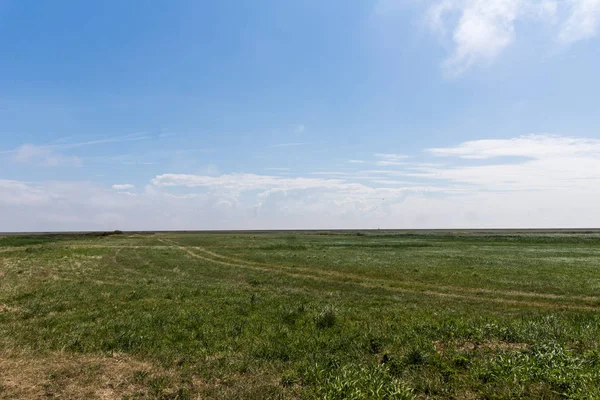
[5,308]
[77,376]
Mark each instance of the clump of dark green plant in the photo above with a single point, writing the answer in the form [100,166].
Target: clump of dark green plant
[326,318]
[355,382]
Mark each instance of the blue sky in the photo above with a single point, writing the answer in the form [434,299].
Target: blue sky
[313,114]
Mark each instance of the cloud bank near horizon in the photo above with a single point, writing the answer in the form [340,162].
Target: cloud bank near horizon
[533,181]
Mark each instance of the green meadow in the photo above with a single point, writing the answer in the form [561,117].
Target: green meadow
[301,315]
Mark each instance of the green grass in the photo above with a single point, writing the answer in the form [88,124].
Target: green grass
[327,315]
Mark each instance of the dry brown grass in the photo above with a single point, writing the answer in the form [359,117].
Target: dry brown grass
[5,308]
[77,376]
[64,375]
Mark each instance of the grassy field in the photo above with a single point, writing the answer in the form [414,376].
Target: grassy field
[314,315]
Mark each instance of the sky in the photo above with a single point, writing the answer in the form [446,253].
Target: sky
[313,114]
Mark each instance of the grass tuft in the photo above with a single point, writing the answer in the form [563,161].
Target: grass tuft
[326,318]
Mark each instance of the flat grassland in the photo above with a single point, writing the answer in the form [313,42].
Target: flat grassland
[317,315]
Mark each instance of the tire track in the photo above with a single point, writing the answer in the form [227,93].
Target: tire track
[424,285]
[365,282]
[116,256]
[100,246]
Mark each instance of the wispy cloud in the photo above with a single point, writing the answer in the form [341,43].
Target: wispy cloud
[125,186]
[52,154]
[127,138]
[393,182]
[44,156]
[299,129]
[534,146]
[387,159]
[165,133]
[391,156]
[62,144]
[356,161]
[288,144]
[242,182]
[552,163]
[583,21]
[138,163]
[384,163]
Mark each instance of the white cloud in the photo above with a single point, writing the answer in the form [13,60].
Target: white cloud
[299,129]
[388,163]
[51,155]
[534,146]
[238,183]
[387,159]
[44,156]
[391,157]
[15,192]
[288,144]
[123,187]
[559,166]
[279,203]
[245,182]
[481,29]
[559,174]
[356,161]
[484,28]
[582,22]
